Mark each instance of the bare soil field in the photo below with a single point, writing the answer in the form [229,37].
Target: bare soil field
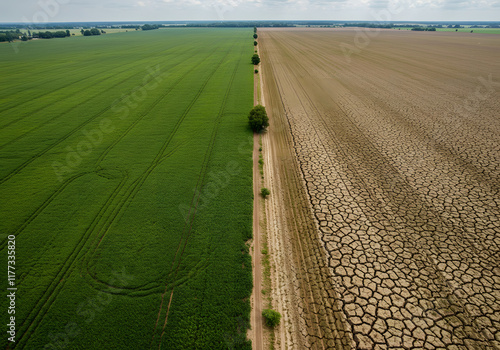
[383,160]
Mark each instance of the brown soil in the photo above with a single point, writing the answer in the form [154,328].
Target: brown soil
[383,160]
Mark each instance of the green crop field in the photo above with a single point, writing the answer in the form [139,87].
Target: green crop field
[125,177]
[475,30]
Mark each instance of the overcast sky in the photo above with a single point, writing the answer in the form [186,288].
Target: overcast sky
[34,11]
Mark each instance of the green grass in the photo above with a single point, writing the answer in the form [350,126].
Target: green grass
[125,174]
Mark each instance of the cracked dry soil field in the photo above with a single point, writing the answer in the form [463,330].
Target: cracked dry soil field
[389,196]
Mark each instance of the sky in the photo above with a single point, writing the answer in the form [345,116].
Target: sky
[40,11]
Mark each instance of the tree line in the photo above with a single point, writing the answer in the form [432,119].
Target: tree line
[92,31]
[9,35]
[424,29]
[49,35]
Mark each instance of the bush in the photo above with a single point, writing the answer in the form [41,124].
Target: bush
[255,36]
[255,43]
[258,118]
[255,59]
[265,192]
[256,71]
[271,317]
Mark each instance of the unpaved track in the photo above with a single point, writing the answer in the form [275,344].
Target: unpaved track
[397,152]
[255,334]
[256,318]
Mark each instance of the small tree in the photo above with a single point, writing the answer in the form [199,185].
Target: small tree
[256,71]
[271,317]
[87,33]
[255,29]
[255,43]
[68,33]
[255,59]
[255,36]
[258,118]
[265,192]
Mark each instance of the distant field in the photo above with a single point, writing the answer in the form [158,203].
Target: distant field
[125,175]
[463,30]
[476,30]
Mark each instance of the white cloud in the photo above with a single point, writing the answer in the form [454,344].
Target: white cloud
[143,10]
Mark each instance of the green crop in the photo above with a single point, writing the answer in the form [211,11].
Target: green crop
[125,176]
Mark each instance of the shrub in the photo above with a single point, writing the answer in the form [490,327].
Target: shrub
[255,59]
[265,192]
[258,118]
[271,317]
[255,36]
[255,43]
[256,71]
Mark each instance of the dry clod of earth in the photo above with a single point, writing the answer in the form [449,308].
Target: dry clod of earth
[389,227]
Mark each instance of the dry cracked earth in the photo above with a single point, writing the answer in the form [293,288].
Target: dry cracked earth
[396,137]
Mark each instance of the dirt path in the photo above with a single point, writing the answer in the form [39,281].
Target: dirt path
[397,150]
[256,317]
[256,333]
